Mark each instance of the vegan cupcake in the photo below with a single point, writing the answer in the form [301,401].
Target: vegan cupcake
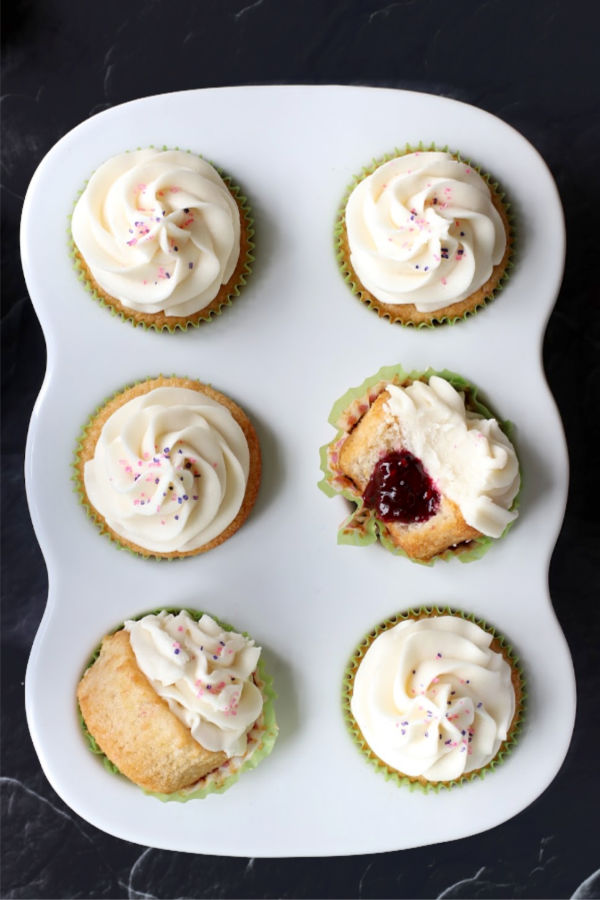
[423,238]
[434,697]
[178,703]
[431,471]
[168,467]
[161,238]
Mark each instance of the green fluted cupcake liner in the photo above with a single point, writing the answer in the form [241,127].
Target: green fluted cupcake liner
[351,278]
[362,527]
[261,737]
[211,313]
[393,775]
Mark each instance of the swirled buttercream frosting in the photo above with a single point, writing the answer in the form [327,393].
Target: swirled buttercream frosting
[169,470]
[204,673]
[158,230]
[468,457]
[432,699]
[422,229]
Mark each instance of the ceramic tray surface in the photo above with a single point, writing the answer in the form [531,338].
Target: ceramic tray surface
[293,342]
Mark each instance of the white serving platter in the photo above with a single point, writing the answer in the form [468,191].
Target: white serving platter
[289,346]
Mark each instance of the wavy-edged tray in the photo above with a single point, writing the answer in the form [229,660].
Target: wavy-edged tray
[294,341]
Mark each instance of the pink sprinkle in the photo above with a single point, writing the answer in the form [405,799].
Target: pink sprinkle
[443,280]
[468,171]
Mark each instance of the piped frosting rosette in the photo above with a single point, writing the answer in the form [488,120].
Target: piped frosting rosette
[214,681]
[162,238]
[169,467]
[434,697]
[466,452]
[423,238]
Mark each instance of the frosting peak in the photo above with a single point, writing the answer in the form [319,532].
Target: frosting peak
[204,673]
[468,457]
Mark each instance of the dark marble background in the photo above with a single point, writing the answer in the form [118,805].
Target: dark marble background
[534,63]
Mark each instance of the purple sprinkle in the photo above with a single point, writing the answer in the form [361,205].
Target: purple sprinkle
[195,497]
[446,742]
[222,643]
[175,651]
[176,517]
[156,480]
[403,730]
[167,274]
[215,657]
[479,705]
[179,500]
[185,497]
[190,265]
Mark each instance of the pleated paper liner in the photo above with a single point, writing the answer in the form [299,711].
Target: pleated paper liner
[499,644]
[261,737]
[406,313]
[91,431]
[362,527]
[160,321]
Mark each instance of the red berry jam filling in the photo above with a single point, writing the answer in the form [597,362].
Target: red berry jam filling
[400,490]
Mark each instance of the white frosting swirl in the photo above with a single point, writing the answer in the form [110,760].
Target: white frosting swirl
[468,457]
[431,699]
[158,230]
[204,673]
[422,229]
[169,470]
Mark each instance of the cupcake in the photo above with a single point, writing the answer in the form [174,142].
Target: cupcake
[178,703]
[423,238]
[161,238]
[434,697]
[168,467]
[431,472]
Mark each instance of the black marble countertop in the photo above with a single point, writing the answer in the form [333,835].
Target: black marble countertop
[534,64]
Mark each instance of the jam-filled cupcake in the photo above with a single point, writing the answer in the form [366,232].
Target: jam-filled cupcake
[434,697]
[178,703]
[169,467]
[161,238]
[423,238]
[431,471]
